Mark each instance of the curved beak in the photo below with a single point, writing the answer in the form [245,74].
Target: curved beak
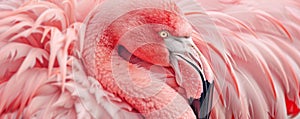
[185,60]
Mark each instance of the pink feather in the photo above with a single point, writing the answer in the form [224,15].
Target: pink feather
[251,46]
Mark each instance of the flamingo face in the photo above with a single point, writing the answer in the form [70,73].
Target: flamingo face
[160,41]
[141,33]
[150,37]
[155,43]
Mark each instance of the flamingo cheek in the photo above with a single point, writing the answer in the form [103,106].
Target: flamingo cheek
[153,53]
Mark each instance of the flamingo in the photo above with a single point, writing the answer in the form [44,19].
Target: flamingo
[149,59]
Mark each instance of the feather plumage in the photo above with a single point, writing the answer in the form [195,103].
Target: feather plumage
[252,47]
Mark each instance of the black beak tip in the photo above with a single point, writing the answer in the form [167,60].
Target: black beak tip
[202,106]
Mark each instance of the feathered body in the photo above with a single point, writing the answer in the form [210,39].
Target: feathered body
[254,56]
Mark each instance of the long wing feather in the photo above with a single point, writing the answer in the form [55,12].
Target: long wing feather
[261,39]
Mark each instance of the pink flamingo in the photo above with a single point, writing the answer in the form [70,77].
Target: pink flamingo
[149,59]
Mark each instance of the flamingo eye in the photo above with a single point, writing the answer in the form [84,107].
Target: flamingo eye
[164,34]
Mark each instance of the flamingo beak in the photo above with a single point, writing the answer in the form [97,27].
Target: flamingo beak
[183,49]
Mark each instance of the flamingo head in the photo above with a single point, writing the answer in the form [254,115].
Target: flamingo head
[155,34]
[150,30]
